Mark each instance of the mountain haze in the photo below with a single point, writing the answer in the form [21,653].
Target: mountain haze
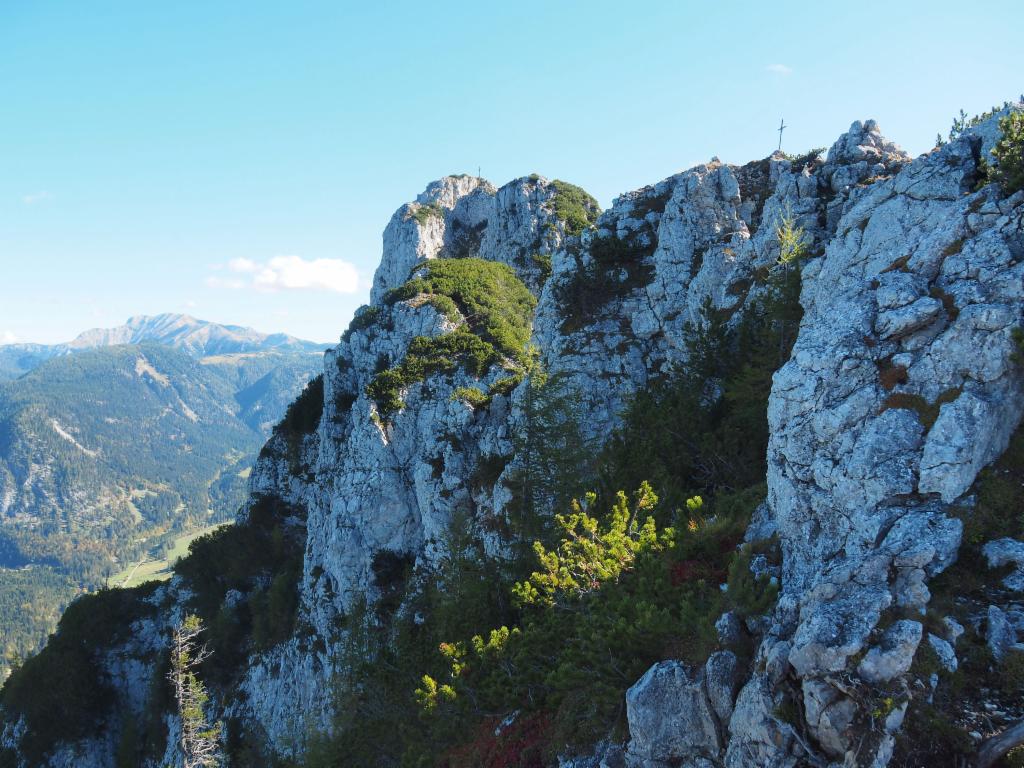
[199,338]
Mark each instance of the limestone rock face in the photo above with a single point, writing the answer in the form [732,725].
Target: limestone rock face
[923,273]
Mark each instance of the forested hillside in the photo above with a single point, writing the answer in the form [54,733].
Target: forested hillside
[109,452]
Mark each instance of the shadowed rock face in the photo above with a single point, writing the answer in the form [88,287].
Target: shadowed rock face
[908,267]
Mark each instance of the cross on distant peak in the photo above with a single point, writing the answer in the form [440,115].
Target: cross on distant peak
[782,127]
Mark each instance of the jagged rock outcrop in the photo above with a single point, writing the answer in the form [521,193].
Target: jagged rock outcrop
[902,386]
[922,278]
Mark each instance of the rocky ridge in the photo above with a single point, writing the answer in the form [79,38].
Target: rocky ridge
[902,386]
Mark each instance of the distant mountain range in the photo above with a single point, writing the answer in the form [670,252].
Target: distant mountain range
[199,338]
[114,443]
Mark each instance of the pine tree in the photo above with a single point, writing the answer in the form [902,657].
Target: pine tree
[199,740]
[555,457]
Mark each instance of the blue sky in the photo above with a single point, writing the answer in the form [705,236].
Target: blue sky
[239,160]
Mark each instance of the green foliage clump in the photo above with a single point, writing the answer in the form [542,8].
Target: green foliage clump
[792,241]
[575,206]
[428,355]
[1008,170]
[542,261]
[424,212]
[651,204]
[1017,336]
[962,123]
[303,415]
[273,609]
[587,558]
[497,309]
[999,511]
[494,302]
[472,397]
[365,317]
[555,458]
[607,601]
[749,595]
[391,572]
[809,158]
[506,384]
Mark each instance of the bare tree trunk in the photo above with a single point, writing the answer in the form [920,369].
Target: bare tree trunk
[199,740]
[994,747]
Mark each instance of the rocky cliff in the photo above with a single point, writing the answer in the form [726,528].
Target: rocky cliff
[902,386]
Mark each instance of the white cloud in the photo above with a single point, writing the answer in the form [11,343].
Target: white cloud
[36,197]
[779,69]
[290,273]
[8,337]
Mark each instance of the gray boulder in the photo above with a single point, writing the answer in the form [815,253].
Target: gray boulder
[671,717]
[894,655]
[945,652]
[999,632]
[1003,552]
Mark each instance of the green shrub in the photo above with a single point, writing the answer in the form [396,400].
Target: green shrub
[651,204]
[749,595]
[792,240]
[365,317]
[424,212]
[495,303]
[609,600]
[498,312]
[265,549]
[471,396]
[391,572]
[576,207]
[385,390]
[542,261]
[303,415]
[809,158]
[1008,152]
[428,355]
[504,386]
[273,610]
